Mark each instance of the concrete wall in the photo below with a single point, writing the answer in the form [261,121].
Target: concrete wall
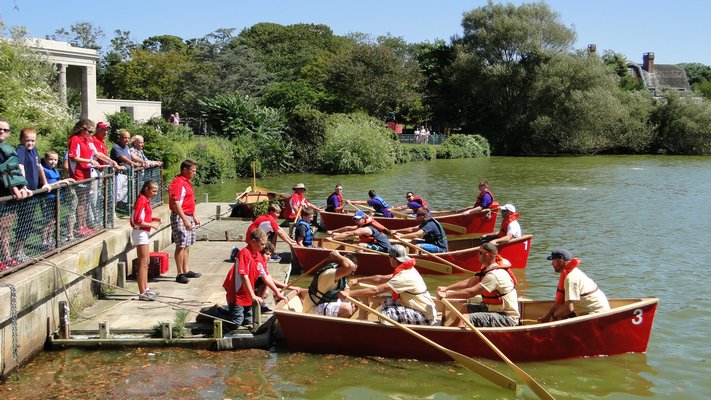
[40,287]
[139,110]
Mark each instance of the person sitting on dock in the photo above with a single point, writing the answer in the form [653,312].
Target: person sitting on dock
[576,294]
[268,223]
[432,235]
[297,201]
[410,302]
[380,206]
[260,287]
[371,236]
[510,228]
[334,202]
[413,203]
[484,200]
[241,279]
[302,233]
[497,286]
[327,283]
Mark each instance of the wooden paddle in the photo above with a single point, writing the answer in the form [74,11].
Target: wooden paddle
[400,214]
[471,364]
[540,391]
[427,264]
[436,257]
[453,227]
[247,190]
[312,269]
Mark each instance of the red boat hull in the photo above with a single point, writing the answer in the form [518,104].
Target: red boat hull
[516,251]
[453,222]
[624,329]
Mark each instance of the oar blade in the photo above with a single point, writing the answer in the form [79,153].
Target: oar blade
[481,369]
[434,266]
[453,227]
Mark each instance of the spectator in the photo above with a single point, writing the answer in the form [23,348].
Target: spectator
[121,152]
[12,182]
[80,164]
[142,221]
[49,165]
[137,154]
[176,119]
[183,221]
[102,129]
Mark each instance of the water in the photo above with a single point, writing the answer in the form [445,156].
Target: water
[637,222]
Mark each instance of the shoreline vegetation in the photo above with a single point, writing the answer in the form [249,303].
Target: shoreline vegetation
[298,98]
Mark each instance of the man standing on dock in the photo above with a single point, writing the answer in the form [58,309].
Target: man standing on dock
[183,221]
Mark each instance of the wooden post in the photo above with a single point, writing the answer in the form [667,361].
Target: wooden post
[217,329]
[121,275]
[167,330]
[256,315]
[227,236]
[104,329]
[207,198]
[156,246]
[63,320]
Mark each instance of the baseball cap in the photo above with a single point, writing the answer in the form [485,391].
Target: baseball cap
[399,253]
[508,207]
[102,125]
[359,215]
[560,253]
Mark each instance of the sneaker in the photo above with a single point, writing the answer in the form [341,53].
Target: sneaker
[85,231]
[275,258]
[193,274]
[151,291]
[145,296]
[265,309]
[181,278]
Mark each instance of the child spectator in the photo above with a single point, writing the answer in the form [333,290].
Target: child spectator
[29,163]
[49,165]
[142,221]
[12,182]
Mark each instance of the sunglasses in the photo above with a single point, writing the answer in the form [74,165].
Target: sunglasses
[4,130]
[88,130]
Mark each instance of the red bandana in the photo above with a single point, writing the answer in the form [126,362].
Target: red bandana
[406,265]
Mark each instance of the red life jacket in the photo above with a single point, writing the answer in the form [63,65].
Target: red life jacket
[505,224]
[481,196]
[406,265]
[560,290]
[495,297]
[420,200]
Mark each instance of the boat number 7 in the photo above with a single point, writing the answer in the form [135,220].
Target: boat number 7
[637,316]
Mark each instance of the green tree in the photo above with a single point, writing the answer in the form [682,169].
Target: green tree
[618,64]
[684,125]
[81,34]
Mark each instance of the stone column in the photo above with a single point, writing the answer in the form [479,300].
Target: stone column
[88,93]
[62,83]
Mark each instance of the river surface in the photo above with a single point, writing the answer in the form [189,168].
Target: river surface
[637,222]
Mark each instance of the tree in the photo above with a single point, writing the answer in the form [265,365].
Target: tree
[618,64]
[82,34]
[498,59]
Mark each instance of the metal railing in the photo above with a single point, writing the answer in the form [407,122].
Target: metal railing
[52,220]
[129,183]
[421,139]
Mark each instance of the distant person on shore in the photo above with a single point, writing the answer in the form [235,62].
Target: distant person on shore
[510,228]
[497,286]
[484,200]
[429,231]
[334,202]
[302,232]
[326,285]
[413,203]
[380,206]
[410,302]
[576,293]
[183,221]
[142,222]
[241,279]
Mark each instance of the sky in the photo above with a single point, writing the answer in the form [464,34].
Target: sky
[675,31]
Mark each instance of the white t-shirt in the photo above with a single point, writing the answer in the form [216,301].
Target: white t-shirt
[500,280]
[514,229]
[413,292]
[575,285]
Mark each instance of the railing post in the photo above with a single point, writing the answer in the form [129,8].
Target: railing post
[106,201]
[121,274]
[57,219]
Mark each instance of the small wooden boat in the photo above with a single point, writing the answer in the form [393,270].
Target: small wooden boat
[247,200]
[453,222]
[623,329]
[464,253]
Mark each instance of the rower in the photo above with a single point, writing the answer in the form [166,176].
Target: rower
[429,231]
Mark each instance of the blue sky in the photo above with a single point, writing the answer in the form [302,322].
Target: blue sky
[676,31]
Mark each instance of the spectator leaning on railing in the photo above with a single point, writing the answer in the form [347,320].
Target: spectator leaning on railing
[137,154]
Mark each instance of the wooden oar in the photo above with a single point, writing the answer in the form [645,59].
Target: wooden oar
[427,264]
[436,257]
[540,391]
[453,227]
[312,269]
[471,364]
[249,189]
[400,214]
[354,206]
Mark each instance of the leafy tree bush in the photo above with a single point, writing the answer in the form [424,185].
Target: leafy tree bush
[214,158]
[464,146]
[419,152]
[684,125]
[305,132]
[234,115]
[356,144]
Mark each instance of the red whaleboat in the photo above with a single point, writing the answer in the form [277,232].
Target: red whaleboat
[464,254]
[623,329]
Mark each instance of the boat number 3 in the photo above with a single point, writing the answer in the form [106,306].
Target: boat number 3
[637,316]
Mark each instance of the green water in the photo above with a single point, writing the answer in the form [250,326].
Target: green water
[638,223]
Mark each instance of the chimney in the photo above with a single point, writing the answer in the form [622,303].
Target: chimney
[592,48]
[648,62]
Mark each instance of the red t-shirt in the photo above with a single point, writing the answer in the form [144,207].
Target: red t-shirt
[181,191]
[292,206]
[252,265]
[100,145]
[142,213]
[263,222]
[78,147]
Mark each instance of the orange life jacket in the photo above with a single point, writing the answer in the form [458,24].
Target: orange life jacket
[505,224]
[495,297]
[560,290]
[481,196]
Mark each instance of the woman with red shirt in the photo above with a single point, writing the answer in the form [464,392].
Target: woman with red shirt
[80,164]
